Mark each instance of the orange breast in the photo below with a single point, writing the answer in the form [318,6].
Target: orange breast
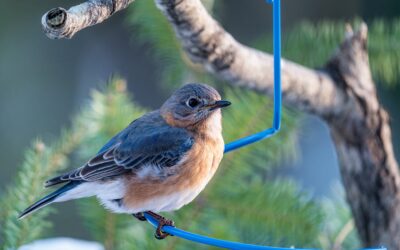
[192,174]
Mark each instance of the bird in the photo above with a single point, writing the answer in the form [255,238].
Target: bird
[160,162]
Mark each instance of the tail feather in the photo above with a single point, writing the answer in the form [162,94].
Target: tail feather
[48,199]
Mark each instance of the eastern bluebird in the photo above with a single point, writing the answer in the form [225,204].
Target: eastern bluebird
[160,162]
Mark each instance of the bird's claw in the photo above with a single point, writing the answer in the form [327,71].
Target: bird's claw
[159,234]
[162,221]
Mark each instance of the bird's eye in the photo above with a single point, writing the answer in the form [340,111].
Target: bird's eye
[193,102]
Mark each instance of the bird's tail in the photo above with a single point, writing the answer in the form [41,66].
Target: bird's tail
[48,199]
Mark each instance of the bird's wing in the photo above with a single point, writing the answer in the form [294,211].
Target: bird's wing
[161,146]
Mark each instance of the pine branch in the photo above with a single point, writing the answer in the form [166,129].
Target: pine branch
[273,213]
[316,41]
[40,162]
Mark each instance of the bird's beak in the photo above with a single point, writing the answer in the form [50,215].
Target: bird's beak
[219,104]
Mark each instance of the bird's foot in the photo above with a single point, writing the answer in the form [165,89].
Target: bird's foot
[159,234]
[162,221]
[139,216]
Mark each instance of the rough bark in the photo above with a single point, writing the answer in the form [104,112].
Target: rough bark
[363,142]
[61,23]
[343,94]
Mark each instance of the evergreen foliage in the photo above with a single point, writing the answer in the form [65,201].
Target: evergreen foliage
[243,202]
[40,163]
[384,50]
[313,44]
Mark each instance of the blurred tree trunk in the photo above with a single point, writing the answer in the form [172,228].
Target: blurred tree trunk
[342,94]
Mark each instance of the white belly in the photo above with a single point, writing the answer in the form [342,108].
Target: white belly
[169,202]
[163,203]
[158,204]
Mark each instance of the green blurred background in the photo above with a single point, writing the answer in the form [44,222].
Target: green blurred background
[44,82]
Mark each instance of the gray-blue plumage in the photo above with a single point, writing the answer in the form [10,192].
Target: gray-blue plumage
[147,141]
[152,145]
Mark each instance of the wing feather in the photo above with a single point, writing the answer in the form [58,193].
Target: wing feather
[157,145]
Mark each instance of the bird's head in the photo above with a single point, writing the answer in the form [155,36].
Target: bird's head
[192,104]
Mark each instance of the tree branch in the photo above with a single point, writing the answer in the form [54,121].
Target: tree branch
[363,142]
[207,43]
[61,23]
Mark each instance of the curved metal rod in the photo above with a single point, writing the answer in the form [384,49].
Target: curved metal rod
[218,242]
[210,241]
[276,124]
